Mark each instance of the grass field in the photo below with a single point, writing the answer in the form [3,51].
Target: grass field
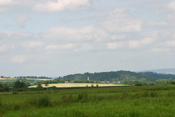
[79,85]
[144,101]
[7,79]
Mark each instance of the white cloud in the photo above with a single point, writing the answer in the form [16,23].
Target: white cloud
[157,23]
[2,9]
[115,45]
[160,50]
[21,20]
[5,2]
[32,44]
[134,44]
[171,18]
[171,5]
[89,33]
[112,28]
[62,34]
[147,40]
[18,59]
[131,44]
[140,43]
[3,5]
[14,35]
[84,47]
[3,48]
[120,21]
[60,5]
[60,47]
[170,43]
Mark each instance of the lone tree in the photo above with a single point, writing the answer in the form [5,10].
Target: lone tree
[19,84]
[46,83]
[1,85]
[39,85]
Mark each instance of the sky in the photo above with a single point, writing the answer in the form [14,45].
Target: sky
[61,37]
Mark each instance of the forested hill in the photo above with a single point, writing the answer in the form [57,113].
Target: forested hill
[159,75]
[118,76]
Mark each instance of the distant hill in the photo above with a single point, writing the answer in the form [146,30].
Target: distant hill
[156,76]
[163,71]
[118,76]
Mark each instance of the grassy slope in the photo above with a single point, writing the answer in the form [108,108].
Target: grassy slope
[151,101]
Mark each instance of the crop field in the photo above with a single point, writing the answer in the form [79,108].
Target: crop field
[7,79]
[79,85]
[143,101]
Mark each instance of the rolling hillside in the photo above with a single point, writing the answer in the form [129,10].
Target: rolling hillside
[118,76]
[164,71]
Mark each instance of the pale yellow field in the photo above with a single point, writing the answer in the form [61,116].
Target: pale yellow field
[39,79]
[7,79]
[77,85]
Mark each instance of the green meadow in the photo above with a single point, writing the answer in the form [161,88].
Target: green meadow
[140,101]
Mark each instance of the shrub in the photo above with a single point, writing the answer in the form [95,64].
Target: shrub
[125,95]
[173,82]
[15,106]
[1,85]
[82,97]
[138,84]
[4,88]
[153,94]
[0,102]
[32,101]
[145,94]
[15,92]
[43,101]
[39,85]
[19,84]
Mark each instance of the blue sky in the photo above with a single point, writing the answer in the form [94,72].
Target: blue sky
[60,37]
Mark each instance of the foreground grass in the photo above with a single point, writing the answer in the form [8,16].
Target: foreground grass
[125,108]
[151,101]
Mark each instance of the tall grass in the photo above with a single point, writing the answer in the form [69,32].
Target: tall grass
[0,102]
[115,102]
[41,101]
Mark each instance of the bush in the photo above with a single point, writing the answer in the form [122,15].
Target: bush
[1,85]
[173,82]
[0,102]
[52,88]
[138,84]
[4,89]
[19,84]
[145,94]
[39,85]
[124,95]
[43,101]
[153,94]
[82,97]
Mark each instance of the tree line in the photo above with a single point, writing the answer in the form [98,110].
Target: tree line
[119,76]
